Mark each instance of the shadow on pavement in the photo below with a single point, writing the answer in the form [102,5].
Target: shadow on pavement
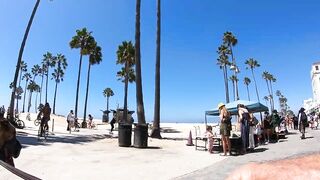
[169,130]
[27,141]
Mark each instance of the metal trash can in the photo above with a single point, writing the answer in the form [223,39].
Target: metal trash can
[124,137]
[105,116]
[140,136]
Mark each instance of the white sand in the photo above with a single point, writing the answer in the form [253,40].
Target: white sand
[93,154]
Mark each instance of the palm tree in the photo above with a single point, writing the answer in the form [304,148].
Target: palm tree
[271,79]
[107,92]
[156,118]
[139,92]
[278,93]
[266,98]
[82,40]
[32,87]
[47,62]
[252,64]
[223,62]
[230,41]
[23,68]
[60,66]
[36,70]
[234,80]
[27,77]
[125,55]
[14,83]
[266,77]
[247,81]
[95,57]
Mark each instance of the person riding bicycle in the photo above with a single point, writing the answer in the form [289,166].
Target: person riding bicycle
[45,111]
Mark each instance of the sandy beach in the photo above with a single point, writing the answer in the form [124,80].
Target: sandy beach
[95,154]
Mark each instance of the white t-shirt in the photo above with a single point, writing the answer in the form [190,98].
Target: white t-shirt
[70,117]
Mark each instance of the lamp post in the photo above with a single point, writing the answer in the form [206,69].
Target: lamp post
[235,70]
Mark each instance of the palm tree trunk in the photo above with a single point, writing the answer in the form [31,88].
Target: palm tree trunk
[234,91]
[226,84]
[248,92]
[108,103]
[139,94]
[125,103]
[271,92]
[47,84]
[24,96]
[269,95]
[30,97]
[87,93]
[78,84]
[17,105]
[41,88]
[237,91]
[20,58]
[255,84]
[156,120]
[55,97]
[36,102]
[235,74]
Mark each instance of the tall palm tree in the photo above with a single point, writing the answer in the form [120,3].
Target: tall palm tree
[42,74]
[223,62]
[252,64]
[230,41]
[247,81]
[266,98]
[32,87]
[58,73]
[48,62]
[95,57]
[266,76]
[271,79]
[107,92]
[126,55]
[82,40]
[139,92]
[14,83]
[156,118]
[27,77]
[23,69]
[234,80]
[36,70]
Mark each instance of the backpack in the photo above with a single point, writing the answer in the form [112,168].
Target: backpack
[303,117]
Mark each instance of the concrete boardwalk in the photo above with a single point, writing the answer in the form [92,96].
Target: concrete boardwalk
[289,147]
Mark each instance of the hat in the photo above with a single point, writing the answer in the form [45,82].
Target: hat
[302,109]
[220,105]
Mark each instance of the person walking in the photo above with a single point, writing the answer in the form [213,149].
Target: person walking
[70,120]
[244,118]
[90,121]
[225,128]
[303,120]
[46,112]
[266,127]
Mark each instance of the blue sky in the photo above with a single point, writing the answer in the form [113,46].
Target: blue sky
[284,36]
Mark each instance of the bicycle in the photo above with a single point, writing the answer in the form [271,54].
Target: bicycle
[45,131]
[37,121]
[18,123]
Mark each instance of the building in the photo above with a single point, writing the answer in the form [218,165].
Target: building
[315,80]
[312,104]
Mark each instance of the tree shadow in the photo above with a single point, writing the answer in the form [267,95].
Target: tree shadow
[291,133]
[27,140]
[169,130]
[258,150]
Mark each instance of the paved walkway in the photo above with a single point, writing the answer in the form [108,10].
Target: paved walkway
[291,146]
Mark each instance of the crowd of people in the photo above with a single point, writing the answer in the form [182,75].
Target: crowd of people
[254,132]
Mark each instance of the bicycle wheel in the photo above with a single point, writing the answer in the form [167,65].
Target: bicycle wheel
[39,132]
[37,122]
[20,124]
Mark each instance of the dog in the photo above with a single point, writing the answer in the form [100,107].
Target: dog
[9,145]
